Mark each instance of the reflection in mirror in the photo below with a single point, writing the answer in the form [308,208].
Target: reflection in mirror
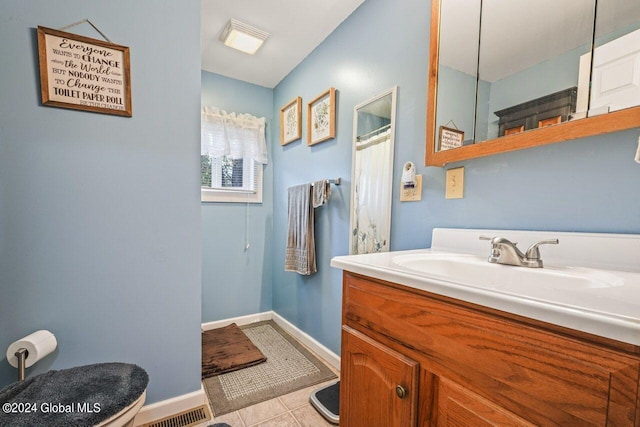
[615,81]
[372,173]
[529,63]
[525,65]
[457,72]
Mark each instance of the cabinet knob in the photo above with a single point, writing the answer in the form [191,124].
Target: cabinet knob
[401,392]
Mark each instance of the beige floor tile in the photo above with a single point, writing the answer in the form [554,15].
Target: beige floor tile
[301,397]
[317,386]
[307,416]
[262,411]
[232,418]
[297,398]
[284,420]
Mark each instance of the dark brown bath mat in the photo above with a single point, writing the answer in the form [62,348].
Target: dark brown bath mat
[227,349]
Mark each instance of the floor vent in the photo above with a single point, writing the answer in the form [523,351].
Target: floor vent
[183,419]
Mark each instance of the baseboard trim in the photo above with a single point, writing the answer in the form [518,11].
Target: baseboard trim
[329,356]
[168,407]
[240,321]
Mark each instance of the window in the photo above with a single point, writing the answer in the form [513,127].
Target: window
[224,179]
[233,150]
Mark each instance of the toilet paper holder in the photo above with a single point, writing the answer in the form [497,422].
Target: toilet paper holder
[22,355]
[26,351]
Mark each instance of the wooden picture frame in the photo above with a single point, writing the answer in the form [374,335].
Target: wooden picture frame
[291,121]
[449,138]
[321,117]
[82,73]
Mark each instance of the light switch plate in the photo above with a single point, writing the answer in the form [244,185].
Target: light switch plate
[454,183]
[412,194]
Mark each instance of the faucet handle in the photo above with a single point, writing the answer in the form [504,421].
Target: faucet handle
[497,239]
[533,252]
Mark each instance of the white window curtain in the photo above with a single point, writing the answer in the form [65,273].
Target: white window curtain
[237,136]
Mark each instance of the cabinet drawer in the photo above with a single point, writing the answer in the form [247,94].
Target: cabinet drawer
[545,377]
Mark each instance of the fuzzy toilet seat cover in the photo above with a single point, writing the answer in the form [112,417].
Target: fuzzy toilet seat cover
[80,396]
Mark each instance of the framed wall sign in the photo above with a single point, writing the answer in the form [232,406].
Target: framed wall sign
[84,74]
[321,117]
[291,121]
[450,138]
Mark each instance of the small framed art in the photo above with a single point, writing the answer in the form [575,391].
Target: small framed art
[450,138]
[291,121]
[321,117]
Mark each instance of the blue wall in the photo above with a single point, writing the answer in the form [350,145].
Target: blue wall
[585,185]
[380,45]
[236,282]
[99,214]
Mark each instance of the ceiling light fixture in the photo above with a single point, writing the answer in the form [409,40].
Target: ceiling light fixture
[243,37]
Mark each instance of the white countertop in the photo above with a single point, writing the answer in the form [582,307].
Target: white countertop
[612,311]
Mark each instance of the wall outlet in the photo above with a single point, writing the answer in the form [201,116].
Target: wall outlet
[455,183]
[412,194]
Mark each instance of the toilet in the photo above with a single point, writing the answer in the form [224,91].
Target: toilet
[125,417]
[103,394]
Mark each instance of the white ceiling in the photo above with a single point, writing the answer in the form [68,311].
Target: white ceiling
[296,28]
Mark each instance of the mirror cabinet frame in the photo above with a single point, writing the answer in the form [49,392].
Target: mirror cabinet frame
[611,122]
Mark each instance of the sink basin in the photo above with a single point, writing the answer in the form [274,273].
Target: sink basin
[472,270]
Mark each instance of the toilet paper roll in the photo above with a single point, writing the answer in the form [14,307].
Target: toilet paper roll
[39,344]
[408,174]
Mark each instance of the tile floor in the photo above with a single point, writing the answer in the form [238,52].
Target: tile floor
[290,410]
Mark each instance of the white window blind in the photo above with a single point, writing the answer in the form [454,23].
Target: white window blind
[232,150]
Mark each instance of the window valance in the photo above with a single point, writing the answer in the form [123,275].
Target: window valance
[233,135]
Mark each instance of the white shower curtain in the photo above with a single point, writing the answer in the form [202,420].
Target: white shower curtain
[370,214]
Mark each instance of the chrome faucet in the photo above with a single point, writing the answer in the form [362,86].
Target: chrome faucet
[505,252]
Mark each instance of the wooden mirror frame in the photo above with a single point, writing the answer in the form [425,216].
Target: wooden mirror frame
[611,122]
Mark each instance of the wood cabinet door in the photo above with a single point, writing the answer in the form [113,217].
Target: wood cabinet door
[459,407]
[379,386]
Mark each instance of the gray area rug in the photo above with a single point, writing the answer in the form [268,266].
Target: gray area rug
[289,367]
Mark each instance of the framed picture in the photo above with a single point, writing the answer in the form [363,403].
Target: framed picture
[321,117]
[450,138]
[84,74]
[291,121]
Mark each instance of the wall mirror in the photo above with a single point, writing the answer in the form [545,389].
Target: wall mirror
[508,75]
[372,173]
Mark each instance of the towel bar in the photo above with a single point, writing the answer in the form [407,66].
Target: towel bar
[336,181]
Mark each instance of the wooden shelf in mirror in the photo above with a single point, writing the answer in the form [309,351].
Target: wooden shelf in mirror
[549,134]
